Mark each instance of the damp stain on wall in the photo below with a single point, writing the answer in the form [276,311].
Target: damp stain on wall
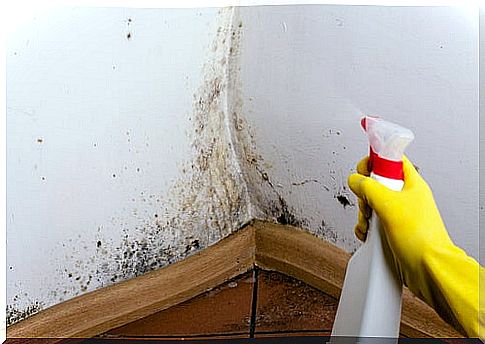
[279,195]
[207,202]
[265,199]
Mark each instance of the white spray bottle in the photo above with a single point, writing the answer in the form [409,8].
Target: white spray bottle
[370,303]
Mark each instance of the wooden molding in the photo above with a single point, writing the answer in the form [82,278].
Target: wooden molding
[297,253]
[285,249]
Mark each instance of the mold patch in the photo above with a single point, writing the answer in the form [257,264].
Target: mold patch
[266,201]
[286,216]
[329,233]
[16,314]
[272,199]
[343,200]
[208,201]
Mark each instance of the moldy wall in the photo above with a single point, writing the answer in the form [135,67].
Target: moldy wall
[120,153]
[310,72]
[135,139]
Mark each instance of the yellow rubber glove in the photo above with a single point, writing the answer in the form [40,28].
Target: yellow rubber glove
[430,265]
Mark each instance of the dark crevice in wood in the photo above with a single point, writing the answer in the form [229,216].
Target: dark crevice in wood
[211,335]
[254,303]
[293,331]
[208,335]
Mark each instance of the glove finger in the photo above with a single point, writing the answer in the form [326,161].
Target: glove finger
[361,227]
[369,190]
[361,236]
[365,209]
[411,175]
[362,166]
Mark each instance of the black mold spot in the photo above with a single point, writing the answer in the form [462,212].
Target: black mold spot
[303,182]
[279,209]
[98,244]
[15,315]
[328,233]
[286,217]
[193,245]
[128,35]
[138,256]
[343,200]
[40,140]
[114,175]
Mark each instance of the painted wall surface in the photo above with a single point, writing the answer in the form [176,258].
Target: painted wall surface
[120,159]
[309,73]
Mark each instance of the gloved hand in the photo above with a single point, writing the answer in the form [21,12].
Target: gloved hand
[430,265]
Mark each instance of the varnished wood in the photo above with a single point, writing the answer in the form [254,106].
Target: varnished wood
[302,255]
[224,310]
[286,249]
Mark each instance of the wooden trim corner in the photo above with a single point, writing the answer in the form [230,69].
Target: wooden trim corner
[271,246]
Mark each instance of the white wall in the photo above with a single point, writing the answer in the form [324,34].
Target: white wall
[309,73]
[119,157]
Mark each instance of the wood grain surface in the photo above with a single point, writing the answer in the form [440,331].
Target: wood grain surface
[224,310]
